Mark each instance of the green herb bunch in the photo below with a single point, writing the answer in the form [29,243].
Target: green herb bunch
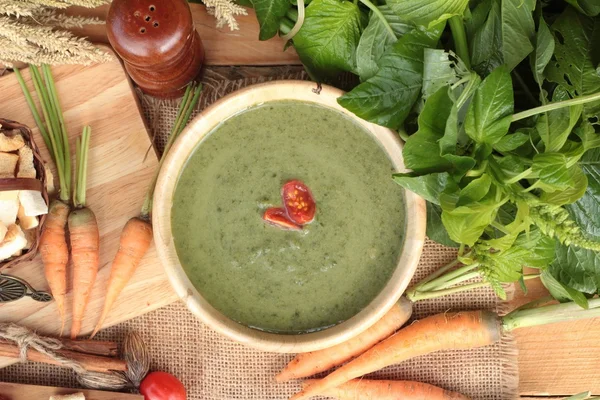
[499,104]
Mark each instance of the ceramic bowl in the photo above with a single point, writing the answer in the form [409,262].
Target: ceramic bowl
[175,161]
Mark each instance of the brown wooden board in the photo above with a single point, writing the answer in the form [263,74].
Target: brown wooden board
[118,177]
[15,391]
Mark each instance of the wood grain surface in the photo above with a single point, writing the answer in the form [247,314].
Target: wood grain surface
[118,177]
[15,391]
[223,46]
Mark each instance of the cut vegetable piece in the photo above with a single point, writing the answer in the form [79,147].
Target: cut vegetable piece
[26,222]
[26,168]
[9,207]
[298,202]
[278,217]
[8,165]
[14,241]
[11,142]
[33,203]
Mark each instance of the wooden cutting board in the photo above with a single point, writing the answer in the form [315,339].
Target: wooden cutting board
[118,177]
[14,391]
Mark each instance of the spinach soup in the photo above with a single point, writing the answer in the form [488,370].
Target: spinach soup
[288,281]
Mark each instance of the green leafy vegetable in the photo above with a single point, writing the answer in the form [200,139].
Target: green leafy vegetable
[376,39]
[435,228]
[328,39]
[387,98]
[577,268]
[544,49]
[269,13]
[589,7]
[428,12]
[586,210]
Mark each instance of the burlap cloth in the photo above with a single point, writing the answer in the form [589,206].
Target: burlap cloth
[215,368]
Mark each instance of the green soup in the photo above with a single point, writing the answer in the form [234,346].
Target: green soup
[288,281]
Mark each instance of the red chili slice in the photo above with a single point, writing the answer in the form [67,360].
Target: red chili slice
[278,217]
[298,202]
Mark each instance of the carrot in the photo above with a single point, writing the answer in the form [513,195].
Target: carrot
[55,254]
[308,364]
[460,330]
[365,389]
[137,233]
[53,243]
[133,245]
[84,237]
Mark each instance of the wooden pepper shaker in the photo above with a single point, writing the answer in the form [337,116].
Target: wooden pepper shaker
[158,43]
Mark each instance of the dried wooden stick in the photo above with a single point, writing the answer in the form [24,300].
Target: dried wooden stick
[89,362]
[96,347]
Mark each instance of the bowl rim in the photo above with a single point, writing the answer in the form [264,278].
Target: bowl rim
[184,146]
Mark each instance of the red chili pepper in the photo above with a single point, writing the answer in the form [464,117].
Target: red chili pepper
[278,217]
[298,202]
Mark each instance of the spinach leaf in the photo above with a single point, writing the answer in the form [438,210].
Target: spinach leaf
[554,127]
[562,292]
[573,66]
[511,141]
[577,268]
[586,210]
[269,13]
[544,49]
[327,41]
[435,228]
[553,170]
[375,40]
[588,7]
[441,68]
[428,12]
[574,192]
[505,37]
[419,152]
[490,111]
[387,98]
[428,186]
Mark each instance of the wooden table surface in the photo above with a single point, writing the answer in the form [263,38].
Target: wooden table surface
[555,360]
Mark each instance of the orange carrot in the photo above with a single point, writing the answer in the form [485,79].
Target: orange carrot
[55,254]
[84,236]
[365,389]
[308,364]
[460,330]
[85,253]
[134,243]
[137,233]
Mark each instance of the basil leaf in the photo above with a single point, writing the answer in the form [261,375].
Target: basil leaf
[562,292]
[428,12]
[269,13]
[588,7]
[375,40]
[573,66]
[428,186]
[490,111]
[544,49]
[577,268]
[506,37]
[586,210]
[387,98]
[435,228]
[327,41]
[554,127]
[421,152]
[511,142]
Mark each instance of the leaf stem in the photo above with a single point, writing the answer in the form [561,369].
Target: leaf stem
[416,296]
[299,18]
[478,172]
[442,281]
[550,314]
[36,116]
[555,106]
[517,178]
[380,15]
[188,103]
[460,39]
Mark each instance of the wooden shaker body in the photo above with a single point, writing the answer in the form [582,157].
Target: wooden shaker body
[158,43]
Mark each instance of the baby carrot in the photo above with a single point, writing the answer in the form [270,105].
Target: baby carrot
[84,237]
[365,389]
[137,233]
[460,330]
[308,364]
